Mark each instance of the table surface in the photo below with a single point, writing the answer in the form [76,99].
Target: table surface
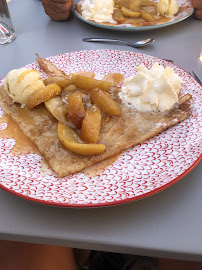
[168,224]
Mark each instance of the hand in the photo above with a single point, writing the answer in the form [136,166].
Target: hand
[58,10]
[197,4]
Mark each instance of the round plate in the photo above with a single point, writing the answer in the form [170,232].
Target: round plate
[127,27]
[139,172]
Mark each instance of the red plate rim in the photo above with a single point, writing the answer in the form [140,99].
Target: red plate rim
[67,205]
[113,203]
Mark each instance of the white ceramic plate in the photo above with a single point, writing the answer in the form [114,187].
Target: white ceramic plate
[139,172]
[127,27]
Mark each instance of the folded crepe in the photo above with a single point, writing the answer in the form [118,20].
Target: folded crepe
[118,133]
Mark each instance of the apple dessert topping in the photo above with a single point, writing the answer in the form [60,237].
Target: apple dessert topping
[76,120]
[81,104]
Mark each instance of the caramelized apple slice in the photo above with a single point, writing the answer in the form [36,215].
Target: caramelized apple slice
[152,10]
[129,13]
[124,3]
[114,78]
[86,83]
[104,101]
[48,67]
[84,73]
[147,3]
[43,94]
[135,5]
[57,108]
[90,129]
[75,108]
[69,88]
[70,140]
[61,81]
[118,16]
[146,16]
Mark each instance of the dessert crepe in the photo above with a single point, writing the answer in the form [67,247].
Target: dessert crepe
[118,133]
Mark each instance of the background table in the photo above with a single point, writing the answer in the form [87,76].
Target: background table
[168,224]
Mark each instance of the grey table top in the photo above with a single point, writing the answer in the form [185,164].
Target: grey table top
[167,224]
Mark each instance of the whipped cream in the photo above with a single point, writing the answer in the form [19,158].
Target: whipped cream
[98,11]
[155,90]
[167,8]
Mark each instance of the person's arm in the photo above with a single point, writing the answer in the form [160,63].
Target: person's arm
[58,10]
[23,256]
[197,4]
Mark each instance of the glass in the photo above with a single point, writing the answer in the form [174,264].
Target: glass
[7,32]
[200,57]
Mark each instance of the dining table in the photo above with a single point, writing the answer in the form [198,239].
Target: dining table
[167,224]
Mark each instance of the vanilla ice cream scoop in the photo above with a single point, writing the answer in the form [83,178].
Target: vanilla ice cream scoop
[155,90]
[98,11]
[167,8]
[21,83]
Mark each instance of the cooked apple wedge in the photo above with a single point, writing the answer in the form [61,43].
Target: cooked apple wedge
[75,108]
[90,129]
[48,67]
[129,13]
[118,16]
[69,88]
[146,16]
[135,5]
[57,108]
[147,3]
[84,73]
[43,95]
[104,101]
[86,83]
[114,78]
[71,142]
[61,81]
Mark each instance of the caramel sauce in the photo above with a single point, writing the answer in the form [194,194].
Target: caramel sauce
[21,77]
[105,119]
[100,167]
[160,20]
[23,144]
